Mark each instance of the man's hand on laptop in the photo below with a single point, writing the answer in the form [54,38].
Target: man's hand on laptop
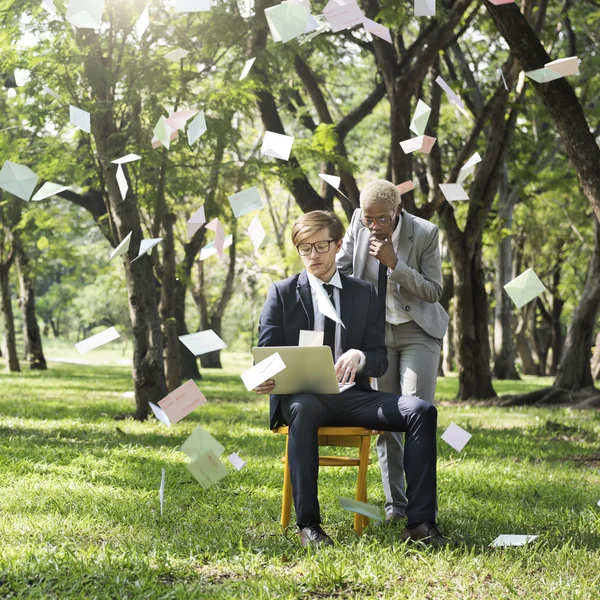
[347,365]
[266,387]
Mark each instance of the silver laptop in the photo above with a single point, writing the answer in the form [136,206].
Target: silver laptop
[308,369]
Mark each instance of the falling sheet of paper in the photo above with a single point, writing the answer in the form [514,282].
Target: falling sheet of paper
[420,118]
[524,288]
[161,490]
[146,246]
[210,250]
[456,437]
[49,90]
[500,2]
[405,187]
[310,338]
[453,191]
[182,401]
[80,118]
[564,66]
[512,540]
[424,8]
[196,221]
[95,341]
[320,25]
[377,29]
[48,5]
[503,80]
[257,233]
[192,6]
[343,16]
[215,225]
[156,143]
[543,75]
[160,414]
[126,159]
[49,189]
[163,132]
[85,14]
[326,307]
[196,128]
[142,24]
[122,182]
[178,119]
[334,181]
[362,508]
[468,167]
[449,92]
[207,469]
[176,54]
[199,442]
[202,342]
[236,461]
[287,20]
[245,202]
[277,145]
[247,67]
[423,143]
[123,247]
[18,180]
[260,372]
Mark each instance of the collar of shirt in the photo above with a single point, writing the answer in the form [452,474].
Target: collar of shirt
[396,233]
[335,281]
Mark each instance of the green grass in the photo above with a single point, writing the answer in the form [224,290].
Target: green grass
[79,509]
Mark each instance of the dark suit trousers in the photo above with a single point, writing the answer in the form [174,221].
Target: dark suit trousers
[305,413]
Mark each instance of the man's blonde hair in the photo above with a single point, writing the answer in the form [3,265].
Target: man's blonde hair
[311,222]
[380,192]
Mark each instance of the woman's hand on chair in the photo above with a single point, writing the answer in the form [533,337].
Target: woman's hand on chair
[265,388]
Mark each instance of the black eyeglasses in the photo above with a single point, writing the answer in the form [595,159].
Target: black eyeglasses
[382,221]
[321,247]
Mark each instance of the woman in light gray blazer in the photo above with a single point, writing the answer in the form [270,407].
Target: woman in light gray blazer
[399,254]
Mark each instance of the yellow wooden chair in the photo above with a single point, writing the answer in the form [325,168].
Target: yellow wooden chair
[346,437]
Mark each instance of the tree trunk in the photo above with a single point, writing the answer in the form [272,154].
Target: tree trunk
[187,361]
[32,339]
[528,363]
[12,359]
[504,350]
[557,332]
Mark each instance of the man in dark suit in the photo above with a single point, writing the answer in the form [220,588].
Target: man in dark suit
[359,353]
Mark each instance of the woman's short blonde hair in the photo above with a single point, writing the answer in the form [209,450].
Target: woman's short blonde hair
[380,192]
[311,222]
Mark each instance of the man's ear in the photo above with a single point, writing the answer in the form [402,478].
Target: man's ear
[338,245]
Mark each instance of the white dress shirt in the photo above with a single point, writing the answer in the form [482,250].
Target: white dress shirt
[394,312]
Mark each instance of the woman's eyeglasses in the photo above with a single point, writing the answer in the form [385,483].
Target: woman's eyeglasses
[321,247]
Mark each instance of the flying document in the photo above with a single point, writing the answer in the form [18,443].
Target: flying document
[126,159]
[182,401]
[49,189]
[95,341]
[192,6]
[146,246]
[423,143]
[405,187]
[245,202]
[196,221]
[456,437]
[501,2]
[215,225]
[377,29]
[424,8]
[453,191]
[160,414]
[176,54]
[247,67]
[202,342]
[178,119]
[343,15]
[85,14]
[236,461]
[210,250]
[122,182]
[207,469]
[362,508]
[277,145]
[512,540]
[199,442]
[468,167]
[555,69]
[80,118]
[196,128]
[162,132]
[142,24]
[18,180]
[326,307]
[334,181]
[524,288]
[257,233]
[287,20]
[260,372]
[123,247]
[161,490]
[420,118]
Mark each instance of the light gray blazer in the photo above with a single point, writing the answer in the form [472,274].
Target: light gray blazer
[419,268]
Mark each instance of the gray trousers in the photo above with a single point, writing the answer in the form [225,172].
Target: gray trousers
[413,356]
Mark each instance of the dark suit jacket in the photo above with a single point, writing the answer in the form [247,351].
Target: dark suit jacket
[289,308]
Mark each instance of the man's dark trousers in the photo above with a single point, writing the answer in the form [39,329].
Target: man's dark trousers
[305,413]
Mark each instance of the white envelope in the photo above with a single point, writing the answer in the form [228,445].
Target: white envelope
[277,145]
[160,414]
[18,180]
[210,250]
[377,29]
[85,14]
[49,90]
[202,342]
[236,461]
[177,54]
[177,120]
[453,191]
[449,92]
[126,159]
[423,143]
[343,16]
[122,182]
[156,143]
[196,221]
[245,202]
[123,247]
[543,75]
[192,6]
[146,246]
[207,469]
[196,128]
[512,540]
[420,118]
[468,167]
[310,338]
[456,437]
[334,181]
[95,341]
[80,118]
[260,372]
[49,189]
[219,242]
[142,24]
[161,490]
[424,8]
[163,132]
[326,307]
[257,233]
[247,67]
[524,288]
[287,20]
[564,66]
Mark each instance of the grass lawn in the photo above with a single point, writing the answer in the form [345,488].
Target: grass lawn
[79,507]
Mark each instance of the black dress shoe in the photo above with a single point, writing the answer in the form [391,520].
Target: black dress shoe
[313,535]
[428,533]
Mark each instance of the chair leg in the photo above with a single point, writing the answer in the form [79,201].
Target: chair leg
[361,485]
[286,503]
